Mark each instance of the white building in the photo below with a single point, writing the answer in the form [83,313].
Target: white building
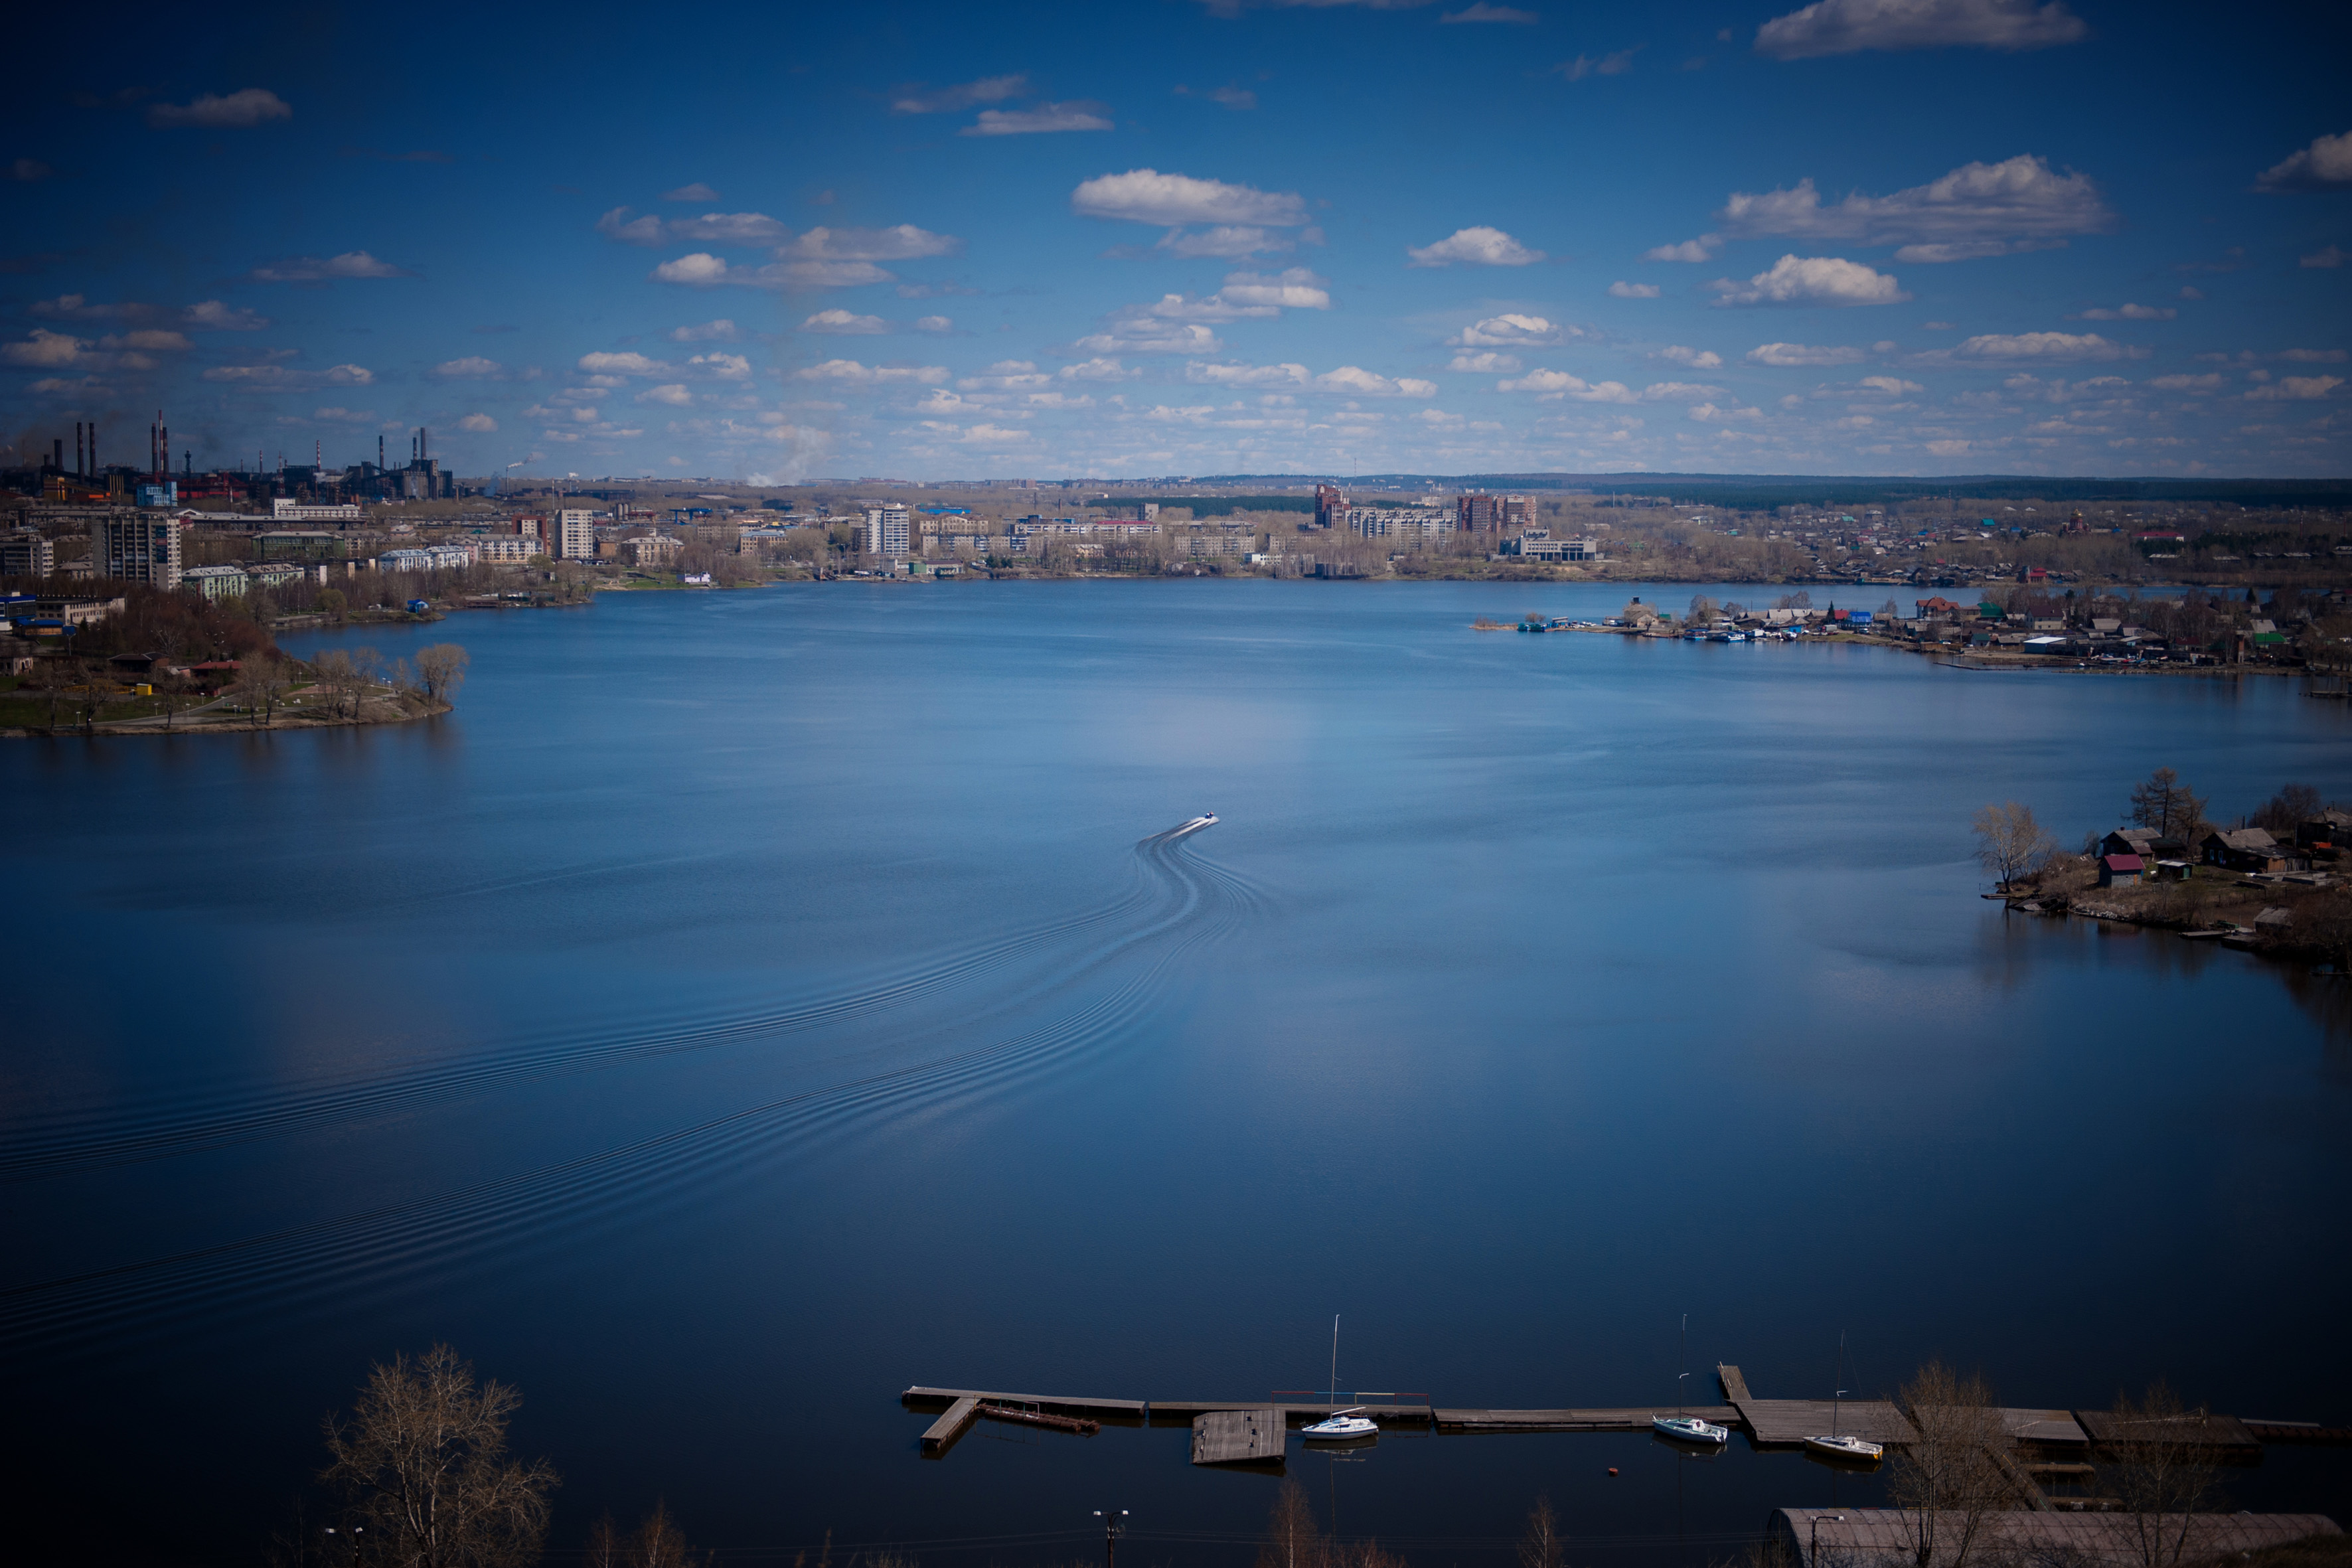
[889,530]
[508,549]
[136,548]
[348,512]
[217,582]
[1417,522]
[575,536]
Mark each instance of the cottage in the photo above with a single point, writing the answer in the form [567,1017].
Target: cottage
[2120,870]
[2245,849]
[2329,829]
[2144,842]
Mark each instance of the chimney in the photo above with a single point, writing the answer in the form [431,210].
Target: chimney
[166,451]
[58,449]
[78,470]
[379,452]
[93,448]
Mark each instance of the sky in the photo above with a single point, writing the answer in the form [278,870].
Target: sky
[1166,238]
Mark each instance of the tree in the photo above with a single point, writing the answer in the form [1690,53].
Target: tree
[260,685]
[1948,1481]
[1702,609]
[657,1543]
[423,1460]
[2168,805]
[88,698]
[1291,1540]
[1540,1546]
[331,604]
[442,669]
[2283,812]
[2160,1467]
[2009,843]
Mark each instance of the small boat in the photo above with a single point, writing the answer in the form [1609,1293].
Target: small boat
[1194,826]
[1687,1429]
[1843,1448]
[1340,1425]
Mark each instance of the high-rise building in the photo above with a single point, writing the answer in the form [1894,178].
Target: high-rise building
[1518,511]
[27,555]
[889,530]
[575,536]
[1490,514]
[132,548]
[1330,506]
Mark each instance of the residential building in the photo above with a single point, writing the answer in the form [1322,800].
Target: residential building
[507,549]
[1492,514]
[1380,522]
[2245,849]
[889,530]
[298,511]
[575,536]
[2120,870]
[297,545]
[27,555]
[652,550]
[132,548]
[217,582]
[1331,505]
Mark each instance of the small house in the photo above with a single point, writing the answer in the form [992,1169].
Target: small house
[2244,849]
[2329,829]
[2121,870]
[2144,842]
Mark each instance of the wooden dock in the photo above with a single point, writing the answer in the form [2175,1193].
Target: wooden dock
[1258,1437]
[1787,1422]
[1624,1419]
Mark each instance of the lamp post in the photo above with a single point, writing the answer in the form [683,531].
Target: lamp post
[1813,1548]
[354,1533]
[1114,1526]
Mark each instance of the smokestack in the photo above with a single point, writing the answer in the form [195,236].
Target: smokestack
[77,467]
[167,452]
[424,442]
[379,453]
[93,448]
[58,449]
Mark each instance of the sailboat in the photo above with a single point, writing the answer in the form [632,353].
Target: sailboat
[1845,1449]
[1682,1426]
[1341,1425]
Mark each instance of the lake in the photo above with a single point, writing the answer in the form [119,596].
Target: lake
[746,1006]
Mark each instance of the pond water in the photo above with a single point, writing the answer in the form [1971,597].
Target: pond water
[747,1005]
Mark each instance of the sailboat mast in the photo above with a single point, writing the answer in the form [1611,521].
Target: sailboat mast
[1335,1358]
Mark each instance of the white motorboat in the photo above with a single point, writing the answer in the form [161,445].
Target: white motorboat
[1689,1429]
[1195,825]
[1847,1449]
[1342,1426]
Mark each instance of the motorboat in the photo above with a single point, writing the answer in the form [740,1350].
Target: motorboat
[1198,822]
[1846,1448]
[1689,1429]
[1342,1426]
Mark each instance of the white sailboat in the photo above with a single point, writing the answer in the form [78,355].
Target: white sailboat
[1341,1425]
[1844,1447]
[1682,1426]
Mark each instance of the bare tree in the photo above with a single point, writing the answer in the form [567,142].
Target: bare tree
[1540,1547]
[658,1543]
[1947,1481]
[442,669]
[260,685]
[2289,809]
[2159,1465]
[49,678]
[1291,1539]
[88,698]
[1702,609]
[2009,843]
[424,1461]
[2168,805]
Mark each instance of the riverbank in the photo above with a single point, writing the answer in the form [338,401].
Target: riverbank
[314,707]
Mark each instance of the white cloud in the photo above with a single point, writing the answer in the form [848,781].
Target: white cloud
[2324,165]
[1229,242]
[723,366]
[2329,256]
[1977,209]
[1560,384]
[1246,374]
[1513,331]
[899,242]
[1678,392]
[1708,412]
[1078,115]
[212,316]
[2128,313]
[1098,370]
[727,228]
[1006,375]
[700,269]
[473,367]
[1486,363]
[721,330]
[1812,280]
[1891,386]
[1354,379]
[1477,247]
[1146,196]
[1847,26]
[1802,354]
[1058,400]
[2301,387]
[1583,65]
[2313,357]
[479,424]
[1948,448]
[1623,290]
[310,270]
[696,192]
[2209,381]
[277,377]
[855,374]
[1293,289]
[843,321]
[44,350]
[994,435]
[933,325]
[1483,12]
[237,110]
[1703,249]
[1697,359]
[2037,348]
[631,363]
[340,415]
[949,99]
[674,393]
[1142,335]
[146,338]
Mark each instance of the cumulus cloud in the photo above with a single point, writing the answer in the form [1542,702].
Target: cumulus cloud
[933,325]
[1354,379]
[1560,384]
[1977,209]
[724,366]
[277,377]
[232,111]
[2127,312]
[899,242]
[700,269]
[1206,374]
[720,330]
[1583,65]
[674,393]
[1098,370]
[1697,359]
[473,367]
[1624,291]
[950,99]
[44,350]
[2331,256]
[843,321]
[1144,335]
[1146,196]
[631,363]
[479,424]
[696,192]
[1511,332]
[1293,289]
[212,316]
[1891,386]
[310,270]
[2324,165]
[1812,280]
[1849,27]
[1229,242]
[147,338]
[850,373]
[1007,375]
[1077,115]
[2209,381]
[1703,249]
[1476,246]
[2049,348]
[1483,12]
[2298,387]
[1485,362]
[1786,355]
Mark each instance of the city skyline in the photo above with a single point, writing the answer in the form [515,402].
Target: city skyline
[1868,236]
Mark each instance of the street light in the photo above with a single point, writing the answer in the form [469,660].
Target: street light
[1813,1550]
[1114,1526]
[355,1533]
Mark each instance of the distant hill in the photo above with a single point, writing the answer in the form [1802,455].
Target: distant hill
[1758,490]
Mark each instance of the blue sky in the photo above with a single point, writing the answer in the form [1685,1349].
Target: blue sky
[1171,237]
